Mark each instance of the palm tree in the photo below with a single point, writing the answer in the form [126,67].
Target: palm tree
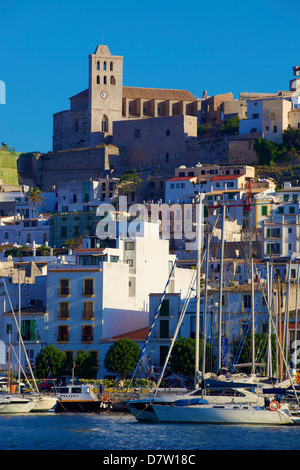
[35,198]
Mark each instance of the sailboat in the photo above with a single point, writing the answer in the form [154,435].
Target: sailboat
[37,402]
[202,409]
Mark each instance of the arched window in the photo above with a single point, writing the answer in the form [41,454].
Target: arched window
[104,80]
[98,79]
[111,66]
[104,124]
[98,65]
[104,65]
[167,157]
[112,80]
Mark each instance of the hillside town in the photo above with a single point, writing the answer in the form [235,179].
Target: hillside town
[100,236]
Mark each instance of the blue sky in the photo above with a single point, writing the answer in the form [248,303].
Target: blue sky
[195,45]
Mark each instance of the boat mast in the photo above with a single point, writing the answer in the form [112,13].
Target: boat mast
[199,246]
[205,311]
[221,288]
[252,314]
[19,369]
[296,320]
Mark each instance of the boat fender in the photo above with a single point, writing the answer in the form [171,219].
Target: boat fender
[274,405]
[105,398]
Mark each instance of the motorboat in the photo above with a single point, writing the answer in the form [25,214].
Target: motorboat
[78,397]
[14,403]
[200,411]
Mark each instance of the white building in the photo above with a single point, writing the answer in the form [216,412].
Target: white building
[20,231]
[107,292]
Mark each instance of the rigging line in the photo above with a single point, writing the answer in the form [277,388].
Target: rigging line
[25,376]
[19,332]
[243,337]
[160,303]
[157,313]
[181,318]
[38,332]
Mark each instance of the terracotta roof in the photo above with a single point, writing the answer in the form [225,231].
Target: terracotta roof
[136,335]
[157,93]
[182,178]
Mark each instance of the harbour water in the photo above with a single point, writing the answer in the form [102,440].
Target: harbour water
[121,432]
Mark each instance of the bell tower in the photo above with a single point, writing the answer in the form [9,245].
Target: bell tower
[105,89]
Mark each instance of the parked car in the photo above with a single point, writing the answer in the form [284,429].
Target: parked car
[45,384]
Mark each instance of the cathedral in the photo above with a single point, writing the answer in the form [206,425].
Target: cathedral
[89,121]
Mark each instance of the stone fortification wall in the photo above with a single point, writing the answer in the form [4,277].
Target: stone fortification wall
[78,164]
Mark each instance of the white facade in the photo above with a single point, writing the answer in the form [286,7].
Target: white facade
[15,230]
[120,281]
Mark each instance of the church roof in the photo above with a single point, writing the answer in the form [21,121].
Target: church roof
[157,94]
[148,94]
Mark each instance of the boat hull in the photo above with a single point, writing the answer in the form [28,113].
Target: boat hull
[15,405]
[65,406]
[221,415]
[43,404]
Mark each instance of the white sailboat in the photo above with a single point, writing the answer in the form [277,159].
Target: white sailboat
[38,402]
[229,413]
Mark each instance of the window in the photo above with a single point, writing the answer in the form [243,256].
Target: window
[63,232]
[28,330]
[275,129]
[63,310]
[137,133]
[114,259]
[281,210]
[64,287]
[76,125]
[98,79]
[104,124]
[130,262]
[129,246]
[255,116]
[246,301]
[264,210]
[104,65]
[104,80]
[168,133]
[164,309]
[111,66]
[292,210]
[87,335]
[164,329]
[88,287]
[63,333]
[272,116]
[286,197]
[112,80]
[88,310]
[98,65]
[167,157]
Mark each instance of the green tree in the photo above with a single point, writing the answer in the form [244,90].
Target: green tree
[35,198]
[230,126]
[122,357]
[56,361]
[261,345]
[72,243]
[266,151]
[182,358]
[85,365]
[130,182]
[291,137]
